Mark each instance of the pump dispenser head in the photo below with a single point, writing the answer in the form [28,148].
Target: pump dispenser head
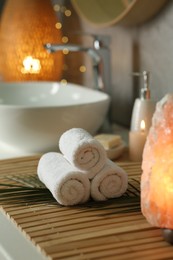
[145,90]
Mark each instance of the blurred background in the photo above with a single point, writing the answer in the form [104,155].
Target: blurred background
[145,46]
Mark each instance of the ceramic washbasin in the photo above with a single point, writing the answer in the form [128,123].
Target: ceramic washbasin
[33,115]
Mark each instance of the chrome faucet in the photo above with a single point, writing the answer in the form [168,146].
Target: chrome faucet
[101,43]
[100,55]
[96,59]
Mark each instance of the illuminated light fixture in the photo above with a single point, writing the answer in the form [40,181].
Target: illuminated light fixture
[157,165]
[25,26]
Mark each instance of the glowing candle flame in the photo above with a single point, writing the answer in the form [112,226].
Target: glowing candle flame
[31,65]
[142,126]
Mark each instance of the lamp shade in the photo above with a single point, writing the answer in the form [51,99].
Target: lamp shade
[25,26]
[157,165]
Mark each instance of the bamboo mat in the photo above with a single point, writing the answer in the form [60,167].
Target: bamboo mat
[114,229]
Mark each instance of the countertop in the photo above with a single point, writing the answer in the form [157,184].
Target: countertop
[8,152]
[114,229]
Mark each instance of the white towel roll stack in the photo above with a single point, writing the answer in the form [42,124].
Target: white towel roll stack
[110,182]
[66,183]
[83,151]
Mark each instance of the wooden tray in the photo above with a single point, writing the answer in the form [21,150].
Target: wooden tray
[114,229]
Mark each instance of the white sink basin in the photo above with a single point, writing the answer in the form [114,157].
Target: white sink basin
[33,115]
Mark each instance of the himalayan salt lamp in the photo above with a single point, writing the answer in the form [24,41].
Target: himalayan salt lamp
[157,166]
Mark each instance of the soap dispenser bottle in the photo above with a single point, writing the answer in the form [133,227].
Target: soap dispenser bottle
[144,106]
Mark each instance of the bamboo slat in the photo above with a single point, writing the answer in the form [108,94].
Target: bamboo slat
[114,229]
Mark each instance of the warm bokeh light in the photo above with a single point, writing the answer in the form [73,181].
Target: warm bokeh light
[30,24]
[31,65]
[142,125]
[82,69]
[56,7]
[63,82]
[58,25]
[67,13]
[65,51]
[65,39]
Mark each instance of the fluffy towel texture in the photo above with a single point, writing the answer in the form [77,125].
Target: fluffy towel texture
[110,182]
[66,183]
[83,151]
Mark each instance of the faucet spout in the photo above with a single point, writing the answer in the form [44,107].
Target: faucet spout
[96,59]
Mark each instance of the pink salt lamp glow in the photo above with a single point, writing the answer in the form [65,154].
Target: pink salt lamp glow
[157,166]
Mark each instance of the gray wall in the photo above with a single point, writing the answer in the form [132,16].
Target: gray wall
[145,47]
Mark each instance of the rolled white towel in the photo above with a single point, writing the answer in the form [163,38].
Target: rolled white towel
[67,184]
[110,182]
[83,151]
